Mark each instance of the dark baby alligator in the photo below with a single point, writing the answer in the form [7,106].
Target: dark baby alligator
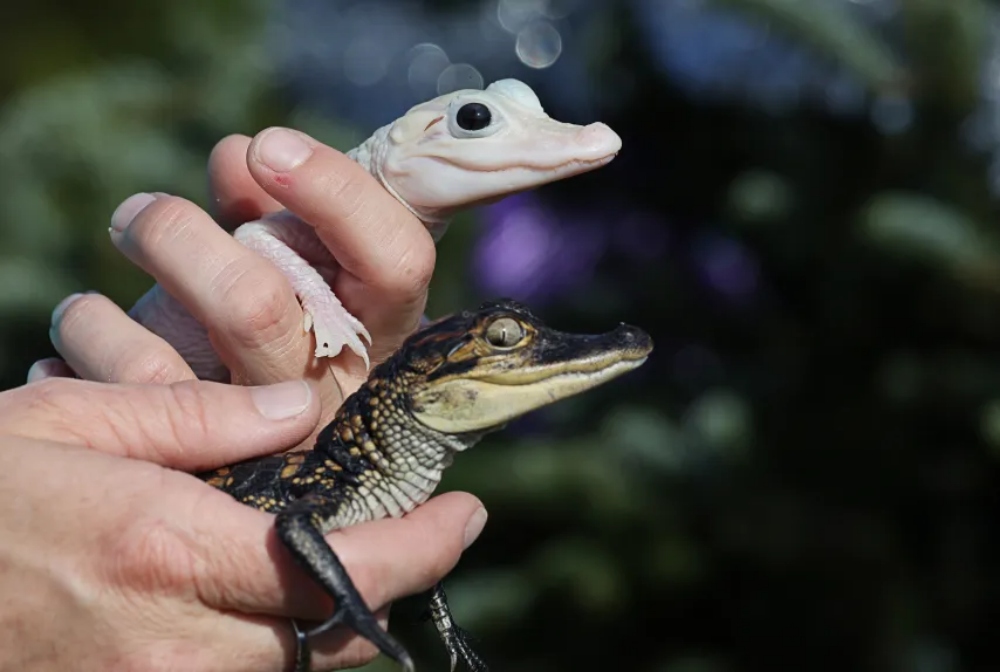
[384,452]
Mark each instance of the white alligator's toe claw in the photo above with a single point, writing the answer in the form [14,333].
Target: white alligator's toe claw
[335,328]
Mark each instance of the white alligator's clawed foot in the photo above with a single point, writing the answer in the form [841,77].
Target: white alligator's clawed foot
[334,327]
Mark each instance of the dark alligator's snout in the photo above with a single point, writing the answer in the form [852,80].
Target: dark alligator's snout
[633,340]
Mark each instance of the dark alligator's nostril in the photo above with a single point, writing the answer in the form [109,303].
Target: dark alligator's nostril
[631,337]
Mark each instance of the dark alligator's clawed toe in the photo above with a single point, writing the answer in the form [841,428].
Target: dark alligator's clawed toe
[459,648]
[303,655]
[363,622]
[457,641]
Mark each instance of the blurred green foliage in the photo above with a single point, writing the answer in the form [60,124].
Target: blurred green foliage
[808,481]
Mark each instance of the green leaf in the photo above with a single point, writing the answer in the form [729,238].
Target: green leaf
[931,232]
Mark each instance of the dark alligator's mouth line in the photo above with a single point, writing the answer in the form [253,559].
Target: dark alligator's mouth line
[594,367]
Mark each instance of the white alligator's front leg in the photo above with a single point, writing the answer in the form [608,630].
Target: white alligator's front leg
[292,246]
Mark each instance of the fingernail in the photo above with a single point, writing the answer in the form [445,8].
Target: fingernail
[474,527]
[282,400]
[282,150]
[38,370]
[51,367]
[128,209]
[41,369]
[61,307]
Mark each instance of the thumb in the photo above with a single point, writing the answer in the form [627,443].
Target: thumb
[190,425]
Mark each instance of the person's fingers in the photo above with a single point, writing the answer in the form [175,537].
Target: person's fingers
[245,302]
[50,367]
[234,194]
[378,242]
[127,530]
[238,566]
[190,425]
[267,643]
[371,233]
[101,342]
[387,559]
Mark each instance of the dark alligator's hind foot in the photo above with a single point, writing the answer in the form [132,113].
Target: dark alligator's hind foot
[354,613]
[300,533]
[457,641]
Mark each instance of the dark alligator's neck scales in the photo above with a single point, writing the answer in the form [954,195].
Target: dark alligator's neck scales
[377,459]
[393,461]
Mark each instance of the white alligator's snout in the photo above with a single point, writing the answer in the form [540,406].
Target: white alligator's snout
[597,141]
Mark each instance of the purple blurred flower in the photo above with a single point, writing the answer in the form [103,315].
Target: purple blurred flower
[641,236]
[535,252]
[529,251]
[726,266]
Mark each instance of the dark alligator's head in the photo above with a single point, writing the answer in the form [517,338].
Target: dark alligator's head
[454,381]
[474,371]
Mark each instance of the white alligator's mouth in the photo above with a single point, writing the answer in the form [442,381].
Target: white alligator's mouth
[587,163]
[571,165]
[565,166]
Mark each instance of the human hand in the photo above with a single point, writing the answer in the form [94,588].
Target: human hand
[255,321]
[111,559]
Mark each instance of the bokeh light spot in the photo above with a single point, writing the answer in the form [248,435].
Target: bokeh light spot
[538,45]
[427,62]
[459,76]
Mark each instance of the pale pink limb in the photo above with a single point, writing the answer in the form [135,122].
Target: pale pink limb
[291,245]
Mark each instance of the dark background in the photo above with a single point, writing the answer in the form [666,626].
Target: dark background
[804,215]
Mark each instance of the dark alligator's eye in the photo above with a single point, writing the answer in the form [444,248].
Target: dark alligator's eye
[473,117]
[504,333]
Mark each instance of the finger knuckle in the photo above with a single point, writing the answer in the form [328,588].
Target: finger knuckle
[358,652]
[152,558]
[165,220]
[348,189]
[414,270]
[43,397]
[51,407]
[258,303]
[187,413]
[155,366]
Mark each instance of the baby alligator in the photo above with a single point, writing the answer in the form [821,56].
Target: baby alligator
[384,452]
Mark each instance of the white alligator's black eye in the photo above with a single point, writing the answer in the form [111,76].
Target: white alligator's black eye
[473,117]
[504,333]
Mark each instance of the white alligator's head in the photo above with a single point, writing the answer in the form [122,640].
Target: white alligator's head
[475,146]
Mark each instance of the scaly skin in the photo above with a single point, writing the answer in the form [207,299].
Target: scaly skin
[384,452]
[435,160]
